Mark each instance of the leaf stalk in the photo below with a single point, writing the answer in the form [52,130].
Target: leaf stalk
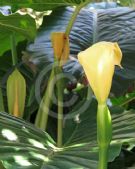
[13,49]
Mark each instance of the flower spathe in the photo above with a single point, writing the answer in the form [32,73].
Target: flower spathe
[60,43]
[98,62]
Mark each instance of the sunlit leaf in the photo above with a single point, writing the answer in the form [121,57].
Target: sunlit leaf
[22,143]
[23,25]
[126,2]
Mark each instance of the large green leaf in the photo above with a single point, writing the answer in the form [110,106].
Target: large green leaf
[126,2]
[24,146]
[86,121]
[114,25]
[20,140]
[23,25]
[41,5]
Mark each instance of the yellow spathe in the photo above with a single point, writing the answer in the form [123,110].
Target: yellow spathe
[99,62]
[60,44]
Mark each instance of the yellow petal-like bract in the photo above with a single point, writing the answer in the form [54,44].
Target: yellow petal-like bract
[16,93]
[60,43]
[99,62]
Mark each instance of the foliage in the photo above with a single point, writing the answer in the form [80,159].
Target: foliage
[123,100]
[22,145]
[104,29]
[127,2]
[42,5]
[23,26]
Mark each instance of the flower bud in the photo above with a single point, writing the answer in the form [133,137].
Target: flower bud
[16,93]
[60,43]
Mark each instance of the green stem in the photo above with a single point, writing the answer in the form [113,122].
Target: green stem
[60,89]
[59,82]
[42,115]
[1,165]
[104,134]
[1,101]
[103,157]
[43,112]
[126,102]
[13,49]
[74,16]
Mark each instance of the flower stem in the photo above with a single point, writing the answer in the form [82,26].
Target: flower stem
[13,49]
[60,89]
[103,157]
[74,16]
[43,112]
[1,101]
[42,115]
[104,134]
[60,119]
[59,83]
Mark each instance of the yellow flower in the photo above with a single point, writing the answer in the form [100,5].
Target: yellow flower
[99,62]
[60,43]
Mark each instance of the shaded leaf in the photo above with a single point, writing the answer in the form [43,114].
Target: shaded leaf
[103,5]
[1,101]
[41,5]
[114,25]
[123,100]
[1,166]
[88,118]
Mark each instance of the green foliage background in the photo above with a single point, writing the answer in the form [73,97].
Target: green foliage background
[35,148]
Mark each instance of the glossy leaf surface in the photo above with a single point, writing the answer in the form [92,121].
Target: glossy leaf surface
[113,25]
[23,25]
[24,146]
